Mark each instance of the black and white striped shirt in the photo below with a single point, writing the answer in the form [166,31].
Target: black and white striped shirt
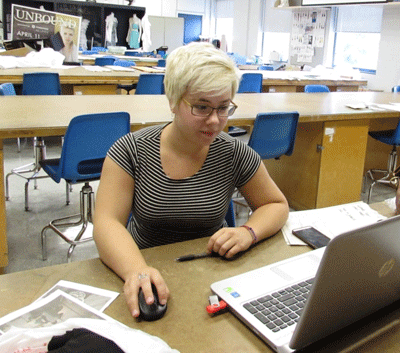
[166,210]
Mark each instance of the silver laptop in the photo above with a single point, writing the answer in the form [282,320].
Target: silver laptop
[294,303]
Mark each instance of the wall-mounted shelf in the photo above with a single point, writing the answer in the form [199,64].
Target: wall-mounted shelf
[96,13]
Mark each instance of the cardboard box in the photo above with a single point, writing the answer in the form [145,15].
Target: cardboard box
[17,52]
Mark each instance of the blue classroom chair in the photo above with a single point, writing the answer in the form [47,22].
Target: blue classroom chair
[316,88]
[150,84]
[35,84]
[251,83]
[86,143]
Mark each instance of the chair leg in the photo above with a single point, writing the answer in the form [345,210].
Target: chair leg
[68,188]
[388,177]
[83,218]
[34,168]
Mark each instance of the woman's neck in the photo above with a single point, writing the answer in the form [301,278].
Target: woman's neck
[175,141]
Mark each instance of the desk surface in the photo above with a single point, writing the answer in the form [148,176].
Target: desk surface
[79,75]
[186,325]
[27,116]
[74,75]
[302,78]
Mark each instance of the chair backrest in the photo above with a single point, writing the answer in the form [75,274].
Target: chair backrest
[150,84]
[41,84]
[230,215]
[316,88]
[396,89]
[266,67]
[103,61]
[7,89]
[274,134]
[87,141]
[124,63]
[251,83]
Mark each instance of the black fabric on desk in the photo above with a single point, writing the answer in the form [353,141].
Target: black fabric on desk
[81,340]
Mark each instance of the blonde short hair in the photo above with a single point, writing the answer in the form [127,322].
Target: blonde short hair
[199,68]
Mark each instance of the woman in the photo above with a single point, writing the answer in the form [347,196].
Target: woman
[181,177]
[70,50]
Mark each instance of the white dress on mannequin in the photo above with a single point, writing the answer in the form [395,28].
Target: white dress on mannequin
[83,38]
[111,30]
[146,35]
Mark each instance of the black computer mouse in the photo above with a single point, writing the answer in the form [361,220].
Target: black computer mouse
[153,311]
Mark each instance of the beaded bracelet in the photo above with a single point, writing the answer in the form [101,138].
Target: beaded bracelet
[251,232]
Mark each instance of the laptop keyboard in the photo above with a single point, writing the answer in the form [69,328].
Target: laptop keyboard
[280,309]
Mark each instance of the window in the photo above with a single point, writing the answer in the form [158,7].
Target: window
[278,42]
[276,31]
[224,21]
[357,36]
[224,27]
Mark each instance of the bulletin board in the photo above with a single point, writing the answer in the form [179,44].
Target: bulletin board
[308,33]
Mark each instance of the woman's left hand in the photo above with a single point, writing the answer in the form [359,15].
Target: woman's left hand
[228,242]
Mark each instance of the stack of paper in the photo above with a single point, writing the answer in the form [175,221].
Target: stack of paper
[330,221]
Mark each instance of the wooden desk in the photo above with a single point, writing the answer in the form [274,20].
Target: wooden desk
[310,178]
[294,81]
[139,61]
[186,326]
[78,80]
[332,149]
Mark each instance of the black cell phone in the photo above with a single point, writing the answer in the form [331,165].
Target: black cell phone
[311,237]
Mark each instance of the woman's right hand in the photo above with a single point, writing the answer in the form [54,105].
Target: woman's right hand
[143,279]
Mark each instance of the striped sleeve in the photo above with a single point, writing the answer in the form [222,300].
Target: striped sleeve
[124,153]
[246,162]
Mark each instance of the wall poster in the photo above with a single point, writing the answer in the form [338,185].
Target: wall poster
[308,33]
[62,30]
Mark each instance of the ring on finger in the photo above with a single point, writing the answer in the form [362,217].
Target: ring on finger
[143,276]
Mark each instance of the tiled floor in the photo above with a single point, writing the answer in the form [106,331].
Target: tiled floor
[48,202]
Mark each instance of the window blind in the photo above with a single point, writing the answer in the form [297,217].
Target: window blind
[359,19]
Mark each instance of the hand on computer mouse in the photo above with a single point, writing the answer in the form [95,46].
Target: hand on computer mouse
[151,312]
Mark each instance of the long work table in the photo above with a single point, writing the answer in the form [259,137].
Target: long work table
[78,80]
[186,325]
[329,157]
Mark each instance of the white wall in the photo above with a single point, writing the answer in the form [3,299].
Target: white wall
[388,69]
[246,27]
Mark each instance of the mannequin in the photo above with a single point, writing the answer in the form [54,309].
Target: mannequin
[134,32]
[111,29]
[83,39]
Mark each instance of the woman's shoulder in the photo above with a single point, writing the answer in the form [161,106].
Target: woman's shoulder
[148,133]
[225,139]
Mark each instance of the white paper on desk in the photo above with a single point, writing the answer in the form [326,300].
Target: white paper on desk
[119,68]
[95,68]
[391,106]
[331,221]
[357,106]
[96,298]
[56,308]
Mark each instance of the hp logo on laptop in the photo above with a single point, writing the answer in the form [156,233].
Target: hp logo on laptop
[386,268]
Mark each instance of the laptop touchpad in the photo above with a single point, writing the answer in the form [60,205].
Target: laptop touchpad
[298,268]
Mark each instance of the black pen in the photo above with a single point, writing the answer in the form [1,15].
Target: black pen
[194,256]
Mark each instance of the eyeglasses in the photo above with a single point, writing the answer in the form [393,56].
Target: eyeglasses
[205,110]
